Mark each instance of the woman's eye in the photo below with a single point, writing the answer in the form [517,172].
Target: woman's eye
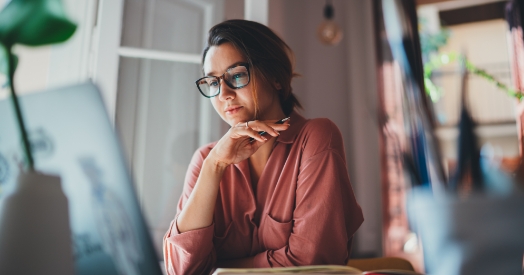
[213,83]
[239,75]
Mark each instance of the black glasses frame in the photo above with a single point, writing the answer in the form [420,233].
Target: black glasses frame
[218,78]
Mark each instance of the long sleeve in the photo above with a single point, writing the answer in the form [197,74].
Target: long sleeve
[326,213]
[190,252]
[301,212]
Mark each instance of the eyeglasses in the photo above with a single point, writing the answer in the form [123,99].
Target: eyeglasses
[235,77]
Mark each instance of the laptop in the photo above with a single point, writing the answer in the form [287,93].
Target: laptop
[71,136]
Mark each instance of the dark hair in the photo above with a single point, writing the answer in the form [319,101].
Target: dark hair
[269,57]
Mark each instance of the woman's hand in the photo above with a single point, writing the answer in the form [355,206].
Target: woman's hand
[236,146]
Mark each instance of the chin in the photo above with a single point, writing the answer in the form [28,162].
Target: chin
[229,120]
[233,122]
[235,119]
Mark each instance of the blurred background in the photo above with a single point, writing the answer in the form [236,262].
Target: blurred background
[145,56]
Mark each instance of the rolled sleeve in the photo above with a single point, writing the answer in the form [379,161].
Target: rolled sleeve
[191,252]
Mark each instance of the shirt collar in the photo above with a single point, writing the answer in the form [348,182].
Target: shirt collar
[296,121]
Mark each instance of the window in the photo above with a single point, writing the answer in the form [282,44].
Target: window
[160,115]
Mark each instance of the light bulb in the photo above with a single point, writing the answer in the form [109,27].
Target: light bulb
[329,32]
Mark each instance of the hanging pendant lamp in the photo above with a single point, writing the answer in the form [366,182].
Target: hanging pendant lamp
[329,32]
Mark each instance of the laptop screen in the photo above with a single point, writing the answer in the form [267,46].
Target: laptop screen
[72,137]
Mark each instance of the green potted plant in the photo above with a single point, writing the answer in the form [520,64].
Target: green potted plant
[35,237]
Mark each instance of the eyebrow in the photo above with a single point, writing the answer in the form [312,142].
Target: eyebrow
[230,66]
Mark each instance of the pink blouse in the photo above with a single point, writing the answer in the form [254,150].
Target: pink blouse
[302,211]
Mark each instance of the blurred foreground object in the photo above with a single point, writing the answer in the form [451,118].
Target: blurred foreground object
[478,235]
[469,225]
[35,234]
[31,23]
[468,173]
[421,145]
[409,150]
[34,23]
[475,226]
[34,228]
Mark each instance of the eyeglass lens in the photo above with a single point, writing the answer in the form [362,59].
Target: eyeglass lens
[236,77]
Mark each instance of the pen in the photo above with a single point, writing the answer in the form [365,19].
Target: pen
[264,132]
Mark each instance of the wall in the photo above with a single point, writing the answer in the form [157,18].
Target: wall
[233,9]
[338,82]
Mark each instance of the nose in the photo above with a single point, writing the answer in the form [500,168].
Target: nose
[226,93]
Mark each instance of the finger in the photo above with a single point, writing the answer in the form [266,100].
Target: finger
[280,127]
[248,132]
[255,143]
[257,135]
[262,126]
[276,122]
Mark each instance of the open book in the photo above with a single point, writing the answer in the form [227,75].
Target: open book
[313,269]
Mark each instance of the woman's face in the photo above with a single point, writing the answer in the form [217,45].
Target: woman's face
[238,105]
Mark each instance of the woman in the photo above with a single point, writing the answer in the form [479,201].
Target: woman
[261,200]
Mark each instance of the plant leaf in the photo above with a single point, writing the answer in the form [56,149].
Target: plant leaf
[34,23]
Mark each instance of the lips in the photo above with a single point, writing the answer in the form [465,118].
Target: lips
[232,109]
